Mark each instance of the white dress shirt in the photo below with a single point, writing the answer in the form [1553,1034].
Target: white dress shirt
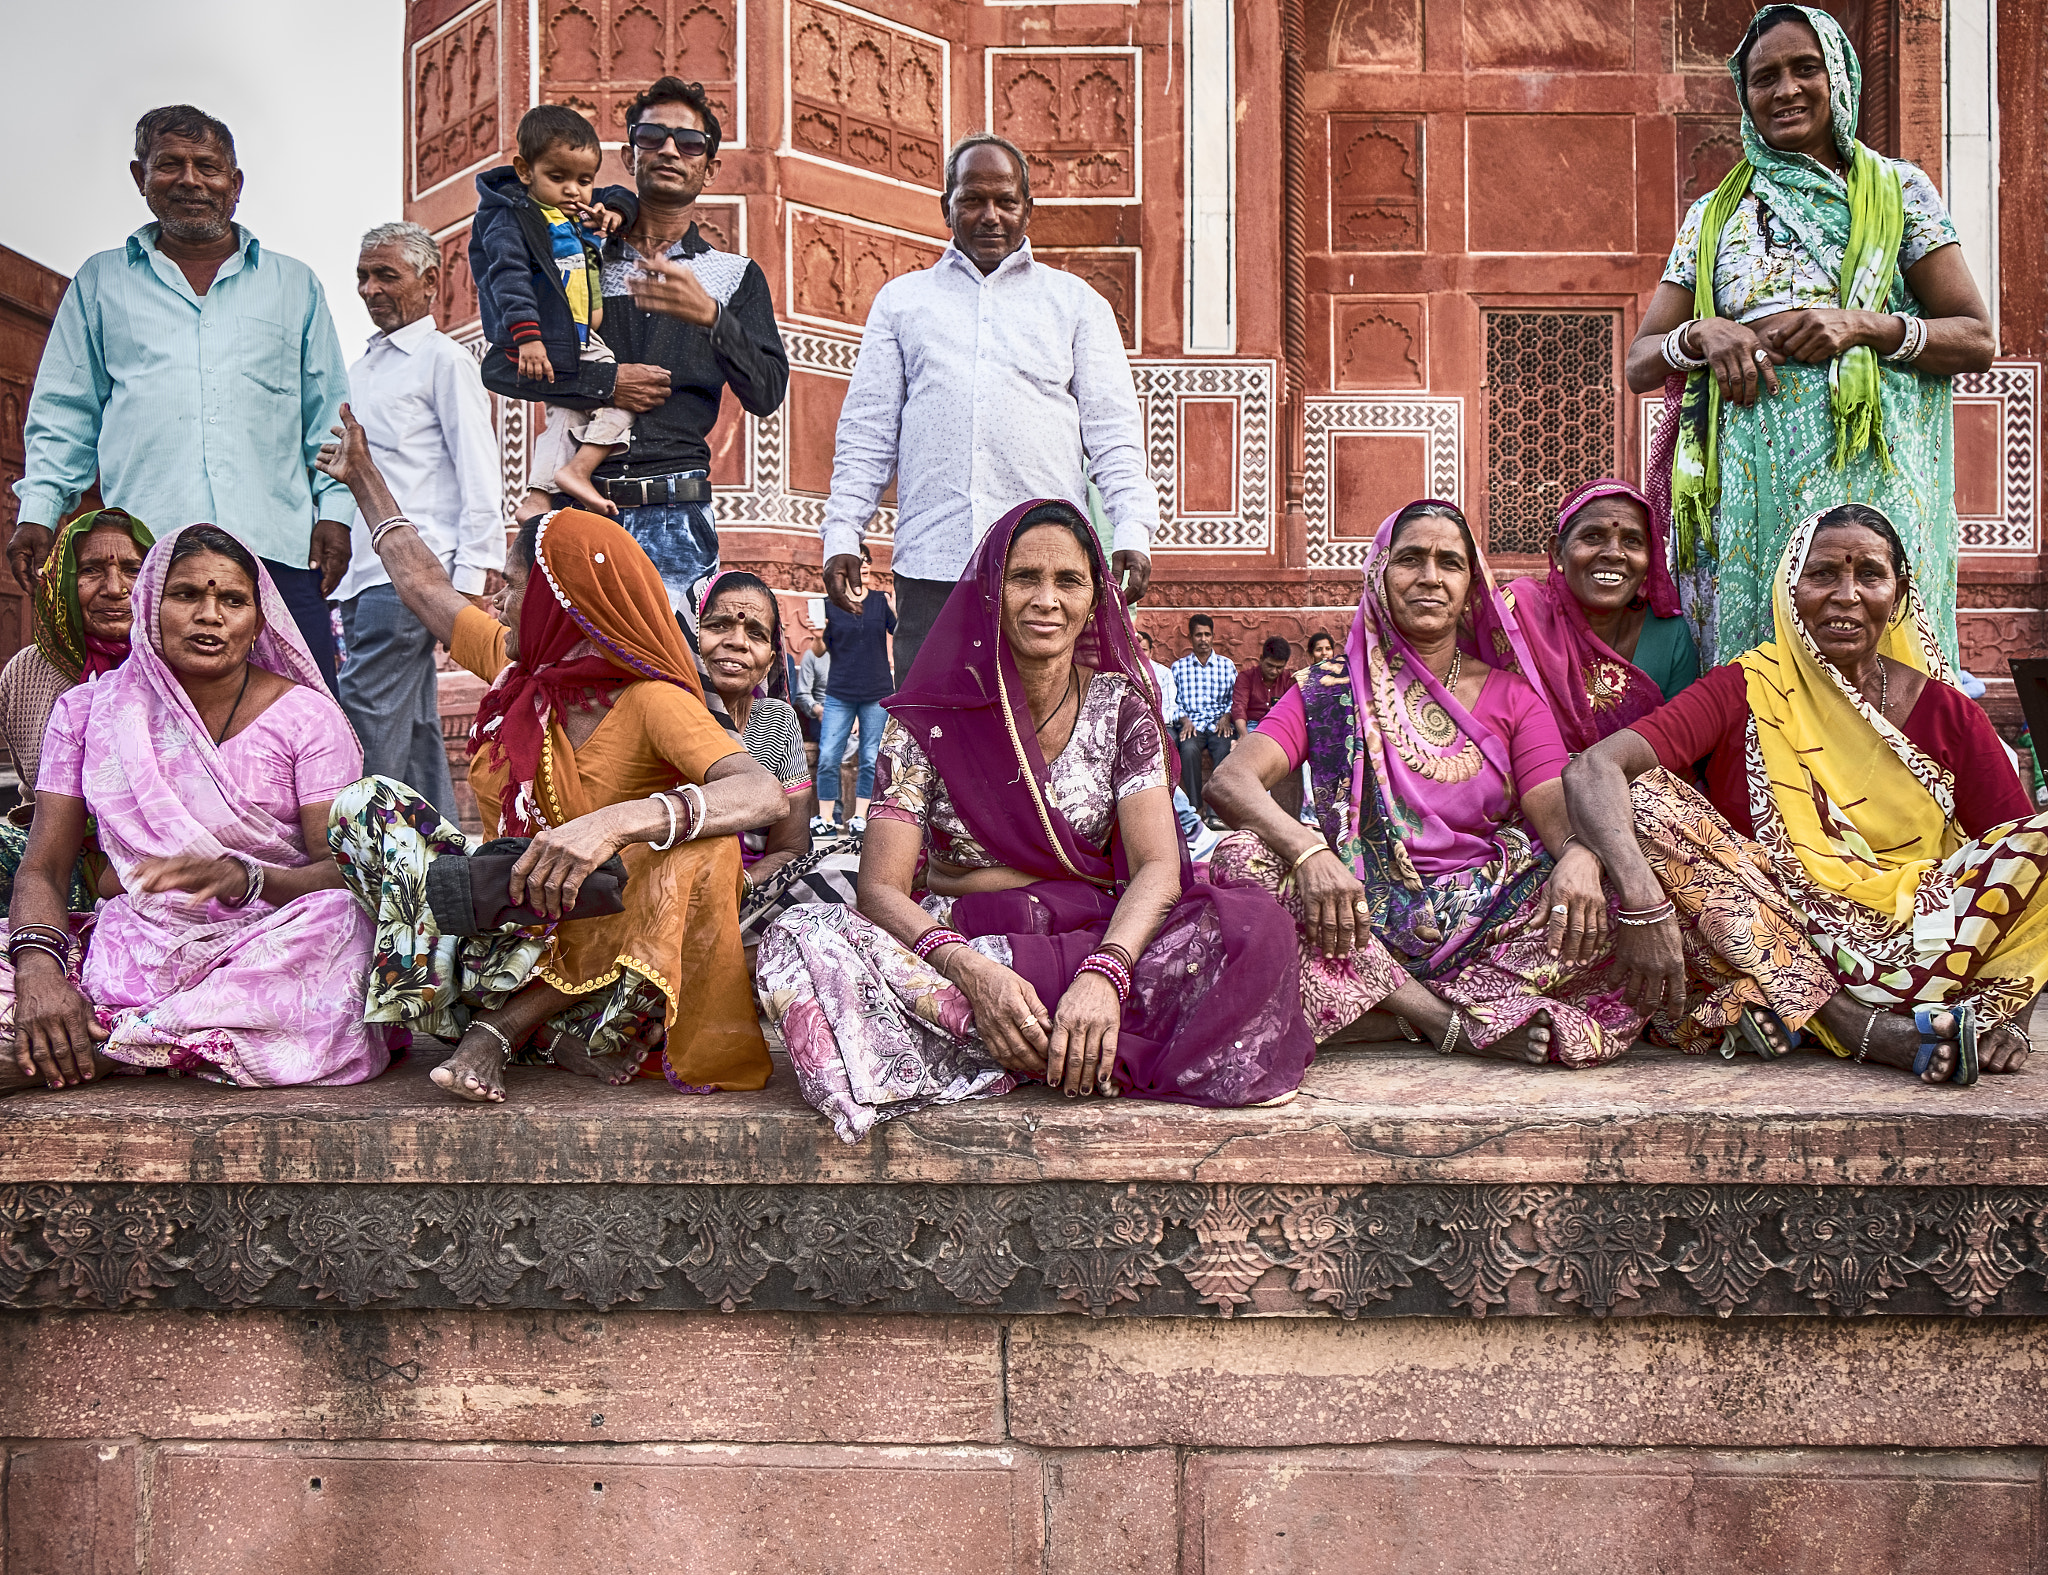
[978,393]
[1169,694]
[423,407]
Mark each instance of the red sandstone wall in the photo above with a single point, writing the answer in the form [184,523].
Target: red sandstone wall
[29,294]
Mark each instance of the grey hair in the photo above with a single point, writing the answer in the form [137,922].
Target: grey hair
[982,139]
[411,239]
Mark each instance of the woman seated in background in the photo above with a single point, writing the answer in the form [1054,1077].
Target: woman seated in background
[1026,908]
[739,633]
[592,742]
[1423,900]
[228,948]
[82,617]
[1604,626]
[1863,862]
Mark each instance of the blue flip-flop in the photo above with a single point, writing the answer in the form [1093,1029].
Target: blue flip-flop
[1965,1042]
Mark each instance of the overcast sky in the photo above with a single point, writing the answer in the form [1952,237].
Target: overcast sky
[310,90]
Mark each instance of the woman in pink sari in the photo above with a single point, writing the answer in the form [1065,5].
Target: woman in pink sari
[1438,890]
[1026,907]
[1603,627]
[226,947]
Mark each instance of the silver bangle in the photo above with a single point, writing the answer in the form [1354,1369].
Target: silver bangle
[668,804]
[693,792]
[254,871]
[1450,1039]
[380,531]
[1675,355]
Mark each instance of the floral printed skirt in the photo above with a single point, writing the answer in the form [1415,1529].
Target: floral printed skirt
[384,835]
[1501,976]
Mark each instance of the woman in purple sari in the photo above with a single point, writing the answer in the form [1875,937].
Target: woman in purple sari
[1026,907]
[1438,890]
[1603,627]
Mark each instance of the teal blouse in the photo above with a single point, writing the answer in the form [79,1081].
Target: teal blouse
[1666,654]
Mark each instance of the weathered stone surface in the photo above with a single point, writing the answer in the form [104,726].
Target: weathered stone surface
[71,1508]
[562,1377]
[256,1510]
[1112,1512]
[1909,1383]
[1364,1116]
[1609,1513]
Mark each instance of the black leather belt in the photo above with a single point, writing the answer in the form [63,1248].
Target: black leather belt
[639,492]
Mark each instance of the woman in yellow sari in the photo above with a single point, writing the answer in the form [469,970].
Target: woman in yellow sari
[1863,863]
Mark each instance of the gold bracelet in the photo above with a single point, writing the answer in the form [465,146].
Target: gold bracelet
[1305,855]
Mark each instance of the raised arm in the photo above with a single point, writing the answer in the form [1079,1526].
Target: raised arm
[416,574]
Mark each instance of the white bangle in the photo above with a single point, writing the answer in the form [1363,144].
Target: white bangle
[379,532]
[695,794]
[1675,354]
[1912,341]
[668,804]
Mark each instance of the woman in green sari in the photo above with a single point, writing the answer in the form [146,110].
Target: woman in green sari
[1814,312]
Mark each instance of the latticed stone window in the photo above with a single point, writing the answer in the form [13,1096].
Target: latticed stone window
[1551,418]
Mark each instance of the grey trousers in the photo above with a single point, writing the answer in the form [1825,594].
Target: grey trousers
[917,609]
[391,695]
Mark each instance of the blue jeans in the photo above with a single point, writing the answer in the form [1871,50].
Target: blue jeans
[681,538]
[1216,745]
[391,695]
[300,589]
[840,716]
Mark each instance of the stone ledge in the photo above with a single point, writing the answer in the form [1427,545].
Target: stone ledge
[1364,1118]
[1137,1249]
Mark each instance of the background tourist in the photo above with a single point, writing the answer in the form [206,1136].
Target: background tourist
[1206,684]
[428,423]
[196,372]
[855,687]
[985,378]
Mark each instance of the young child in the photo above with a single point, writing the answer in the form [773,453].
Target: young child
[540,296]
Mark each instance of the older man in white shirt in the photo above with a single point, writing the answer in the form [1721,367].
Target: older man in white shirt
[422,403]
[984,381]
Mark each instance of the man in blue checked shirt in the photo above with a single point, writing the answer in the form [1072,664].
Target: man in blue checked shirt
[197,374]
[1205,683]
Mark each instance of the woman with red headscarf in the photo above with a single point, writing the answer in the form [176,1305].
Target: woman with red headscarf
[1604,627]
[593,746]
[1026,907]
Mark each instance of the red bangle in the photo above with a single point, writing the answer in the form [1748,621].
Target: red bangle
[933,939]
[1111,969]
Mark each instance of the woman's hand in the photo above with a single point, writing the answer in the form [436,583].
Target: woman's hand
[550,874]
[1008,1014]
[1330,897]
[54,1029]
[217,880]
[1814,334]
[1731,349]
[1083,1050]
[1578,908]
[1652,967]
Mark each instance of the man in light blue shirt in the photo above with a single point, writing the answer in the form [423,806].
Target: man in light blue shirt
[197,374]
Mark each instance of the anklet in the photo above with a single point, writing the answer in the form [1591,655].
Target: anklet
[1450,1039]
[1869,1023]
[505,1054]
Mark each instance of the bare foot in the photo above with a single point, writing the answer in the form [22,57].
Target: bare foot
[1894,1038]
[2004,1049]
[1373,1028]
[584,493]
[477,1069]
[1529,1044]
[573,1055]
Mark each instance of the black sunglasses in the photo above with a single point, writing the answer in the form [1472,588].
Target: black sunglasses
[649,135]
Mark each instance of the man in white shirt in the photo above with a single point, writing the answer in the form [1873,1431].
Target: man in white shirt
[421,401]
[984,381]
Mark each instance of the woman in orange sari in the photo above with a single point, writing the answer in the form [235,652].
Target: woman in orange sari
[594,743]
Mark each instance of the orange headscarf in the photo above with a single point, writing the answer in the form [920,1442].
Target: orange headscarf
[595,619]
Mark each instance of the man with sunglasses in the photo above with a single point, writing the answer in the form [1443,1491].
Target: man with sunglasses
[686,321]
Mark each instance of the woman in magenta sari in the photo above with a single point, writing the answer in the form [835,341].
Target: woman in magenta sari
[1438,891]
[1026,907]
[227,947]
[1604,627]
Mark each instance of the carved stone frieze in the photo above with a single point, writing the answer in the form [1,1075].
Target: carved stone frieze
[1136,1249]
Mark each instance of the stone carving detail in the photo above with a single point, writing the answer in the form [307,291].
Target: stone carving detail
[1378,345]
[596,54]
[1375,184]
[1162,385]
[866,93]
[1075,115]
[720,223]
[1112,272]
[455,123]
[455,301]
[838,265]
[2016,387]
[1437,421]
[1150,1249]
[1708,148]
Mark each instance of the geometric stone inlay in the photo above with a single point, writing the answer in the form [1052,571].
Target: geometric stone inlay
[1438,422]
[1163,387]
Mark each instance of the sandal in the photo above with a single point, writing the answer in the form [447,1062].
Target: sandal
[1747,1033]
[1965,1042]
[471,894]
